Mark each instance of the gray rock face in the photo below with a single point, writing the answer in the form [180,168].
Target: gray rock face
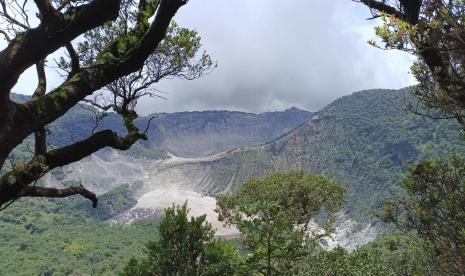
[193,134]
[185,134]
[361,140]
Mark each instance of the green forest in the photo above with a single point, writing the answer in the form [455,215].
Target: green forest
[60,237]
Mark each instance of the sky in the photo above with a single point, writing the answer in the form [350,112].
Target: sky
[275,54]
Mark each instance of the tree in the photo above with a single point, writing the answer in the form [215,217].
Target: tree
[222,258]
[434,210]
[338,262]
[273,214]
[387,255]
[122,51]
[434,31]
[186,247]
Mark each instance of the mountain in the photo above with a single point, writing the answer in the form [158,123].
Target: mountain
[363,140]
[187,134]
[193,134]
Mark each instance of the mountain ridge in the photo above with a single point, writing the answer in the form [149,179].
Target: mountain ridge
[188,134]
[362,140]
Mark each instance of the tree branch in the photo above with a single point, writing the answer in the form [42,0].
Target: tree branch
[48,14]
[408,11]
[60,193]
[128,55]
[134,48]
[97,105]
[53,105]
[74,59]
[5,34]
[382,7]
[35,44]
[40,134]
[16,182]
[41,80]
[9,18]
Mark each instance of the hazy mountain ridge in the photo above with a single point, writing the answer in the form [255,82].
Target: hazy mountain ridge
[190,134]
[362,140]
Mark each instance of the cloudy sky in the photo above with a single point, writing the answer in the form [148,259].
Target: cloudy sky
[274,54]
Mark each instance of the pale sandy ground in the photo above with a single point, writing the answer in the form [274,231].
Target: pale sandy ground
[159,184]
[345,236]
[198,205]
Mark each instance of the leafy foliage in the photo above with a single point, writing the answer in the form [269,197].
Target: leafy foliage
[177,56]
[273,214]
[433,31]
[388,255]
[186,247]
[434,209]
[365,140]
[53,237]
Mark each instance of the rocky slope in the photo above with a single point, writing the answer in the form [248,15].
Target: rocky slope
[362,139]
[193,134]
[188,134]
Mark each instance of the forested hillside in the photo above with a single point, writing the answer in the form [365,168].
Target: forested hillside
[365,140]
[182,133]
[68,237]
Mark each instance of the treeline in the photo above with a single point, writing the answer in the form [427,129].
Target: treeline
[69,237]
[274,216]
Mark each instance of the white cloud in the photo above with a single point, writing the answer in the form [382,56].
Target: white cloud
[274,54]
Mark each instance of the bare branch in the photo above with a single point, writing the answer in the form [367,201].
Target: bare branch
[60,193]
[5,34]
[146,131]
[10,19]
[48,14]
[35,44]
[96,104]
[74,59]
[40,135]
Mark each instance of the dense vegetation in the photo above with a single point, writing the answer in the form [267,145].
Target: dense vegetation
[433,209]
[186,247]
[271,219]
[273,215]
[57,237]
[49,237]
[362,139]
[365,140]
[387,255]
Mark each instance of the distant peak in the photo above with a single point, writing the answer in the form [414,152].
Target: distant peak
[294,109]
